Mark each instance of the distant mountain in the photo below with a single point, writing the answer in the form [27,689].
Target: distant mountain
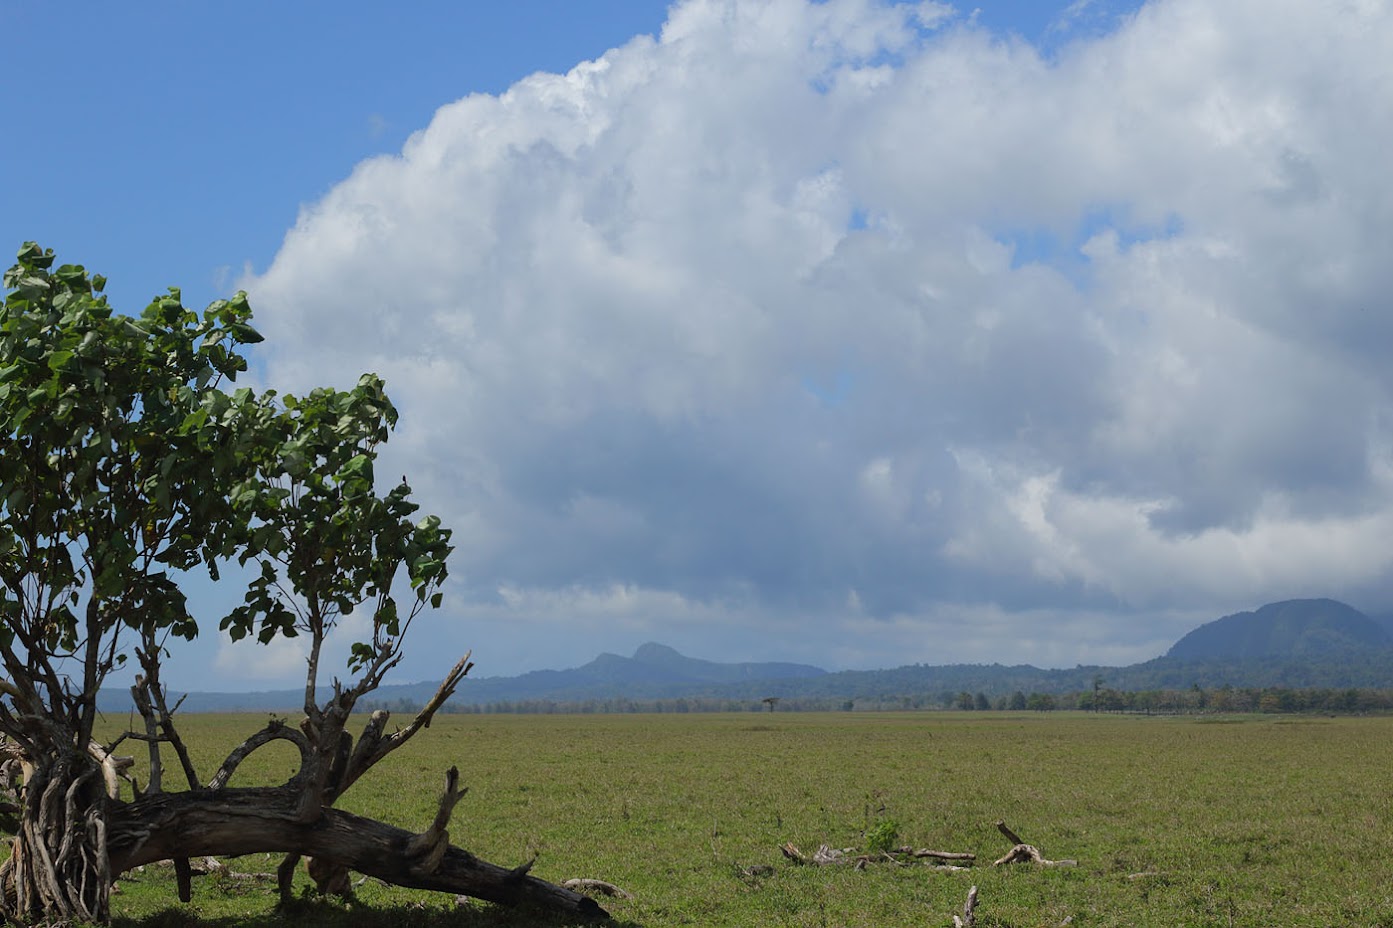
[1385,621]
[1295,629]
[654,672]
[1298,643]
[677,667]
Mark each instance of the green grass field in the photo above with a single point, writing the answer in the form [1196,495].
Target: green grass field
[1242,821]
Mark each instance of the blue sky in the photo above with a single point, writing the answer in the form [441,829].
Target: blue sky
[174,143]
[845,332]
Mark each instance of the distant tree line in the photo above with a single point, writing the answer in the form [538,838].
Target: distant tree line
[1192,700]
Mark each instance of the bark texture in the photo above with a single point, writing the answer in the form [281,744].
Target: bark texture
[59,861]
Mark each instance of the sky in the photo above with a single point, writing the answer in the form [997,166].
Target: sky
[852,333]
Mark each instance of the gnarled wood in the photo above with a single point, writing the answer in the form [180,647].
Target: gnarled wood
[256,820]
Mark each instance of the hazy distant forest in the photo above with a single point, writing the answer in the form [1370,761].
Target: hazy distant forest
[1196,699]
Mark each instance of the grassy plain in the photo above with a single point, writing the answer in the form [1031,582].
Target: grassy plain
[1240,821]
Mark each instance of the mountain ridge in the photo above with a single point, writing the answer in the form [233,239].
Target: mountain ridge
[1295,643]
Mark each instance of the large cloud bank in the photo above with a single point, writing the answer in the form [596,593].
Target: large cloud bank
[853,333]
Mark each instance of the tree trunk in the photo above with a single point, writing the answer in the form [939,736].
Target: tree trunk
[59,868]
[229,822]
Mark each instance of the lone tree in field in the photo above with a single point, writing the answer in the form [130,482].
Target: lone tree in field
[124,466]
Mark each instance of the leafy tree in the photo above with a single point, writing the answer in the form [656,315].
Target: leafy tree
[126,465]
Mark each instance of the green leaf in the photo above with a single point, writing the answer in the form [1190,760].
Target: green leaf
[244,333]
[355,468]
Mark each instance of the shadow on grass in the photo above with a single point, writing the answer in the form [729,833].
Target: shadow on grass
[327,914]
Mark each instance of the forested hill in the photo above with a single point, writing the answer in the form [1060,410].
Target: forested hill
[1295,629]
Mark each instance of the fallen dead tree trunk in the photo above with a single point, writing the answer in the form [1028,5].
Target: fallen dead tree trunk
[230,822]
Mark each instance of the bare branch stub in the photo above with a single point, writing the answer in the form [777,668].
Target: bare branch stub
[1010,835]
[969,917]
[428,848]
[792,853]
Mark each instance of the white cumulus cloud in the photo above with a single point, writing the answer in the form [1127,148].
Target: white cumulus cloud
[799,298]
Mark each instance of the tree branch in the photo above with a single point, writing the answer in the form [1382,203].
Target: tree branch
[428,848]
[275,730]
[372,746]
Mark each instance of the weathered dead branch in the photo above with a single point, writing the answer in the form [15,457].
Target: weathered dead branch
[1010,835]
[823,856]
[582,885]
[16,768]
[1026,853]
[373,746]
[969,917]
[936,855]
[428,848]
[275,730]
[1144,875]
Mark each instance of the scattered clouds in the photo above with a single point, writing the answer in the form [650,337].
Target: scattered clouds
[855,333]
[282,660]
